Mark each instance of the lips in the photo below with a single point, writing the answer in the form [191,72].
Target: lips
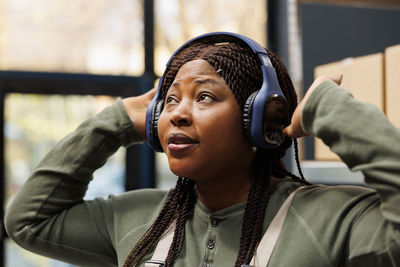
[179,142]
[180,138]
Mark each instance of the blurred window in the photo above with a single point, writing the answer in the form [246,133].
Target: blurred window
[93,37]
[100,37]
[33,125]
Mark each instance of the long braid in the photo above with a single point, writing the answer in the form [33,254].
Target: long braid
[183,193]
[287,87]
[296,156]
[255,209]
[187,207]
[248,223]
[159,226]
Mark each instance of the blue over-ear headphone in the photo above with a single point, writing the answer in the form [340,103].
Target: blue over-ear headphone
[265,113]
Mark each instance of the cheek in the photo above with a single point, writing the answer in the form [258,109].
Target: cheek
[224,130]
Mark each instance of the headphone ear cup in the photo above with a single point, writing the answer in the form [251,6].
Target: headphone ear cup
[157,109]
[276,118]
[247,115]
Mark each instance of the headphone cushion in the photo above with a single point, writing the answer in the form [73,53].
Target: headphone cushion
[247,115]
[157,109]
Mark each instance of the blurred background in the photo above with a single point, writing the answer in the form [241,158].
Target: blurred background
[62,61]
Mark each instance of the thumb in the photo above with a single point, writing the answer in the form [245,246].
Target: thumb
[151,93]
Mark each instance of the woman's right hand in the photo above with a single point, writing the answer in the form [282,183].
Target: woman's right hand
[295,130]
[136,107]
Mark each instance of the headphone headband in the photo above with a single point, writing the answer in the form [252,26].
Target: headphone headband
[220,37]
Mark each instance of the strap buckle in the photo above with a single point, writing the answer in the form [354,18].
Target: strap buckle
[156,263]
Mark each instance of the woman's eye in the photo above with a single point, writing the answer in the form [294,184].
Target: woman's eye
[205,98]
[171,100]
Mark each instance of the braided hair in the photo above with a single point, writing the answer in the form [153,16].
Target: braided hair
[240,68]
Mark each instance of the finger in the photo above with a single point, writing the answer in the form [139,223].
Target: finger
[148,96]
[288,131]
[151,92]
[338,79]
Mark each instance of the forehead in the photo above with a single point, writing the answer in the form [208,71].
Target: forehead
[195,68]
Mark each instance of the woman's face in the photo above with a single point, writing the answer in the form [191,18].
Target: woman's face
[200,126]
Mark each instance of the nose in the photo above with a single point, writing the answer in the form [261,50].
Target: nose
[182,114]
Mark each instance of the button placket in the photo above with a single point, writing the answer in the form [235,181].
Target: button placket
[214,222]
[211,244]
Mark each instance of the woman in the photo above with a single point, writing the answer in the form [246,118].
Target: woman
[228,191]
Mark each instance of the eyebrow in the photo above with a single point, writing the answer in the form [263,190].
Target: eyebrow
[204,81]
[198,81]
[175,84]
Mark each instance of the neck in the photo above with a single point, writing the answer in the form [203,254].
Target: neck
[225,193]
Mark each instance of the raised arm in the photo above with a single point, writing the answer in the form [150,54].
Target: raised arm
[48,215]
[366,141]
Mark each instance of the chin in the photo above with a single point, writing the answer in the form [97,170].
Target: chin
[182,170]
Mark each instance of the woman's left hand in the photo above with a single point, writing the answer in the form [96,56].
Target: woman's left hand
[136,107]
[295,129]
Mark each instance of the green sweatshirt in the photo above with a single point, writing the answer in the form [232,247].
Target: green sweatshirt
[325,225]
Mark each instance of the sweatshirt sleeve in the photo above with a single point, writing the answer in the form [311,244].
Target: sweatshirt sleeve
[365,141]
[48,215]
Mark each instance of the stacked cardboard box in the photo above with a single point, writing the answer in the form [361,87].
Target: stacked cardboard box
[392,84]
[373,78]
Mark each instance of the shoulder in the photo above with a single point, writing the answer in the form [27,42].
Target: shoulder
[141,204]
[334,203]
[321,219]
[135,210]
[139,199]
[331,191]
[333,196]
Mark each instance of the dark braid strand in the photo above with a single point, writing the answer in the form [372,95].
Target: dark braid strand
[255,210]
[187,207]
[183,193]
[296,156]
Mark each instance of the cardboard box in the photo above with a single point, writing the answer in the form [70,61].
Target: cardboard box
[392,84]
[364,78]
